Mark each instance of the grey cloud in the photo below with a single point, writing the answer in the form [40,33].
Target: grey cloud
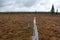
[26,3]
[29,3]
[44,2]
[8,5]
[4,3]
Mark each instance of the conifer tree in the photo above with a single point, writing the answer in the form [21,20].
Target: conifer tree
[57,12]
[52,10]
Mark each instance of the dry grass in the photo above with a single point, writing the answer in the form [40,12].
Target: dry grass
[49,27]
[15,27]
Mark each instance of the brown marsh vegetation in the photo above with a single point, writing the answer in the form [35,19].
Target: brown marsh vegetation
[20,26]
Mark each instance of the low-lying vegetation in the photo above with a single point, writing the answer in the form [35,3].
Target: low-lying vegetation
[20,26]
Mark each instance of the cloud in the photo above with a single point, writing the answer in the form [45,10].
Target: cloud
[4,3]
[18,5]
[28,5]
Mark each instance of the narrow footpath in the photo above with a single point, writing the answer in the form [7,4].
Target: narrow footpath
[35,32]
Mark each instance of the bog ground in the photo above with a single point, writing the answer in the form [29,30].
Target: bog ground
[20,26]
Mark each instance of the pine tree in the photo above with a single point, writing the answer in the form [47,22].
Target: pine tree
[52,10]
[57,12]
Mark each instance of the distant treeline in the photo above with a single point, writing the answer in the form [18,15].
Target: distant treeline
[28,13]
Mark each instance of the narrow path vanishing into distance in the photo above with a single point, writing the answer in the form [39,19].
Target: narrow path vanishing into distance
[35,32]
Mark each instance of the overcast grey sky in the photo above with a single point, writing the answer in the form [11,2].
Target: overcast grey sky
[28,5]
